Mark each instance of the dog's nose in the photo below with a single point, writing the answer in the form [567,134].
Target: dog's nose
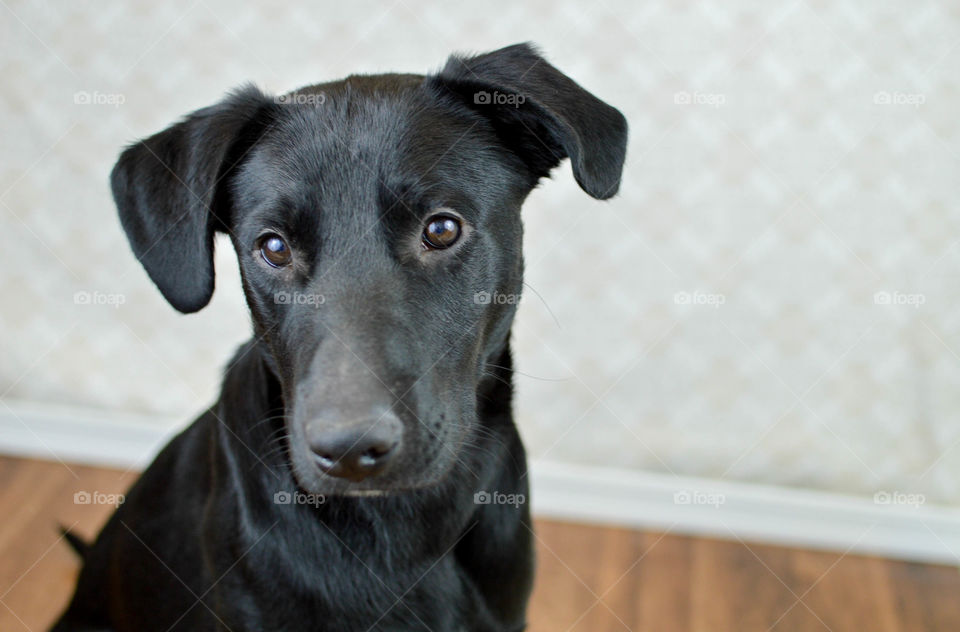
[356,451]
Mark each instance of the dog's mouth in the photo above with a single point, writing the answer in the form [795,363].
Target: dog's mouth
[315,481]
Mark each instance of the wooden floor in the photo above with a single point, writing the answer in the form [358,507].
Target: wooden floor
[590,579]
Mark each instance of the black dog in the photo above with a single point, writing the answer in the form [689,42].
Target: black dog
[361,470]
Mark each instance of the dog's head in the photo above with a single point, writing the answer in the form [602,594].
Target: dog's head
[377,224]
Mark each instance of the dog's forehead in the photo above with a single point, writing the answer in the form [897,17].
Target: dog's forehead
[370,123]
[341,139]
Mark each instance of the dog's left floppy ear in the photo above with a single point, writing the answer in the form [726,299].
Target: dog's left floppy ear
[542,115]
[169,192]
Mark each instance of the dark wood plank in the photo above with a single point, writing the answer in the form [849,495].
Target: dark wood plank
[663,580]
[926,598]
[562,593]
[612,580]
[738,586]
[844,592]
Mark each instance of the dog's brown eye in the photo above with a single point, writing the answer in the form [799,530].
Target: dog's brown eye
[274,250]
[442,231]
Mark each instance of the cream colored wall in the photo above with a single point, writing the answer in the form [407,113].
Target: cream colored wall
[792,165]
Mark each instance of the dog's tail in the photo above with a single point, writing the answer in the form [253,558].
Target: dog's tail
[78,544]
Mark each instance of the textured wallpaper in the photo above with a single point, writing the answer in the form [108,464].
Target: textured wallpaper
[772,298]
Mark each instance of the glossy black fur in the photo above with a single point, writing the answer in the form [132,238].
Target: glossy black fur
[348,172]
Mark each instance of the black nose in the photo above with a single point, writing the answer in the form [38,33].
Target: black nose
[356,451]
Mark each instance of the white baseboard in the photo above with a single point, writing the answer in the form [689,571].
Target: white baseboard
[82,435]
[678,504]
[748,512]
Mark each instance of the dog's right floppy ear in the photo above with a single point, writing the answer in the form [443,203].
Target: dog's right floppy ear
[168,192]
[542,114]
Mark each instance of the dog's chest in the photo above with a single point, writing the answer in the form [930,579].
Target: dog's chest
[332,586]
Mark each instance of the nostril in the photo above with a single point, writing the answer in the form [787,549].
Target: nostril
[325,460]
[377,451]
[375,454]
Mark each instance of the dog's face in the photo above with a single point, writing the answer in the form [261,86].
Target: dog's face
[375,219]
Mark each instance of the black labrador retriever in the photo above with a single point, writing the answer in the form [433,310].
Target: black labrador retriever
[361,469]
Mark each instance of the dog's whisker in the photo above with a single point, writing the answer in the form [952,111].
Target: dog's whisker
[532,377]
